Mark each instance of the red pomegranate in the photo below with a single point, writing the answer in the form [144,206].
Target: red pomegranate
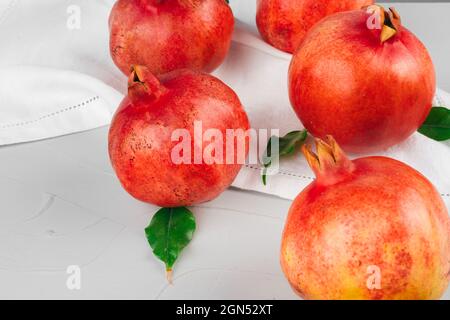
[369,88]
[284,23]
[371,228]
[166,35]
[159,116]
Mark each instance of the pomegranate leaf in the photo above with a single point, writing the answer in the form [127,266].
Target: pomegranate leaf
[169,232]
[437,125]
[287,145]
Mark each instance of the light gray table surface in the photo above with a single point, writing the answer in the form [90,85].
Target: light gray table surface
[61,205]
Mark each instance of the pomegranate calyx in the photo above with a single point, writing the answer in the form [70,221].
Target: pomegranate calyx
[143,84]
[330,164]
[391,25]
[390,21]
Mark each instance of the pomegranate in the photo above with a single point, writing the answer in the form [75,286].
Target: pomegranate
[369,88]
[160,115]
[371,228]
[284,23]
[166,35]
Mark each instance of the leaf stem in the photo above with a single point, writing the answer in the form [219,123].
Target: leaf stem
[169,275]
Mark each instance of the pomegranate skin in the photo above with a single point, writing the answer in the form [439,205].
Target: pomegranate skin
[141,142]
[170,34]
[372,212]
[368,94]
[284,23]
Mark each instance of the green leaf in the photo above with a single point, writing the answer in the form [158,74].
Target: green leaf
[437,125]
[169,232]
[287,146]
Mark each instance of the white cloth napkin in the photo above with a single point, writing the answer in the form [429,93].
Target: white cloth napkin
[38,103]
[49,69]
[56,76]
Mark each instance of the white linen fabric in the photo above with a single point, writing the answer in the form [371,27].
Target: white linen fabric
[38,103]
[56,77]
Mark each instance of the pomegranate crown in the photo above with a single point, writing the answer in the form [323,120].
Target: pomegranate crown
[143,84]
[389,21]
[330,164]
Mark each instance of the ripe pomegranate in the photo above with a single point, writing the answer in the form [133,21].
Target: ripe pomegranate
[369,88]
[166,35]
[158,116]
[371,228]
[284,23]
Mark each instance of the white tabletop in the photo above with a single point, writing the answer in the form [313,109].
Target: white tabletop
[61,205]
